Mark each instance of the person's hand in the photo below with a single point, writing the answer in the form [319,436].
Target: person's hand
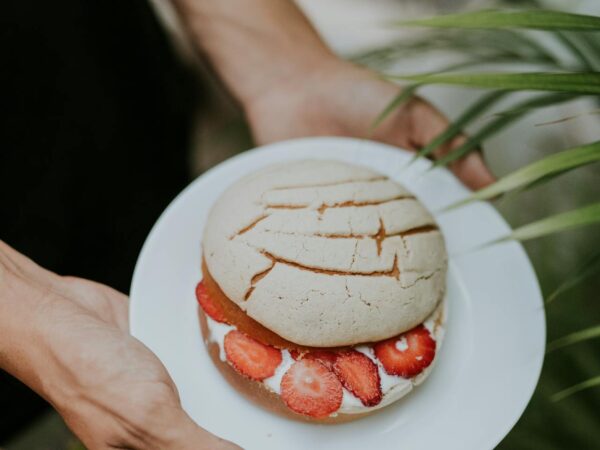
[77,353]
[339,98]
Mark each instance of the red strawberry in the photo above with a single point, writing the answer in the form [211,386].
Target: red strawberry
[249,357]
[408,354]
[212,309]
[323,356]
[359,374]
[310,388]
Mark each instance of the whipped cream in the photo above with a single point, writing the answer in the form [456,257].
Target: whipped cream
[392,387]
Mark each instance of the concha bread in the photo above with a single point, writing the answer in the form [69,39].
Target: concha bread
[326,253]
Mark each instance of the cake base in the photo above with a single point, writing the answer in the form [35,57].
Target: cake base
[258,393]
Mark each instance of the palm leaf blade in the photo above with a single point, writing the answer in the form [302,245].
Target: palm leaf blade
[456,127]
[534,19]
[589,267]
[395,103]
[592,382]
[543,169]
[502,121]
[574,338]
[575,83]
[572,219]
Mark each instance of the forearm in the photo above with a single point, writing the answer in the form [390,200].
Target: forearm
[254,44]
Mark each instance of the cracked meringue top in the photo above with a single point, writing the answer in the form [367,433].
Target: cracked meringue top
[326,253]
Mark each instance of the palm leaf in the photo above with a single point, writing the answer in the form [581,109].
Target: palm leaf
[456,127]
[561,222]
[572,44]
[540,170]
[592,41]
[575,83]
[409,91]
[503,120]
[590,267]
[574,338]
[487,45]
[593,382]
[394,104]
[534,19]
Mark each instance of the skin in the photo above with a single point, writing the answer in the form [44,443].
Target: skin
[67,338]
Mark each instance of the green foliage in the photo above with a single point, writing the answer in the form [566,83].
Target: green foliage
[561,222]
[527,176]
[589,267]
[396,102]
[503,35]
[593,382]
[502,121]
[455,128]
[574,338]
[534,19]
[574,83]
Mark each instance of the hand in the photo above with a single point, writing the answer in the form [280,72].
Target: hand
[339,98]
[109,388]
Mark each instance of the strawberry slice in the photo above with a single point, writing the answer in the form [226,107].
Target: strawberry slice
[310,388]
[323,356]
[359,374]
[249,357]
[212,309]
[408,354]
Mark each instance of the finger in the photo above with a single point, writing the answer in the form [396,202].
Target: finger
[426,124]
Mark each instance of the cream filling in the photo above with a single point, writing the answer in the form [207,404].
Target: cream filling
[392,387]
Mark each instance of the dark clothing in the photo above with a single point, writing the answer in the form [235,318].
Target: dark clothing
[96,116]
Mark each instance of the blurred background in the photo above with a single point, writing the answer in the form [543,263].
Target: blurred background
[203,123]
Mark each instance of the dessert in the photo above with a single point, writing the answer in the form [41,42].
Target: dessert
[322,291]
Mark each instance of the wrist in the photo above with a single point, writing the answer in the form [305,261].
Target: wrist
[19,343]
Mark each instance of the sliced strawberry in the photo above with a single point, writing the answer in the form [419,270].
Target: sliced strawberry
[359,374]
[310,388]
[249,357]
[212,309]
[408,354]
[323,356]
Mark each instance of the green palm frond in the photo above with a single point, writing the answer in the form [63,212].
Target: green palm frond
[592,382]
[565,73]
[589,267]
[556,164]
[587,215]
[503,120]
[574,338]
[491,46]
[574,83]
[534,19]
[455,128]
[405,95]
[572,44]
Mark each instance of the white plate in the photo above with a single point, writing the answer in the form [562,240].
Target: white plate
[487,368]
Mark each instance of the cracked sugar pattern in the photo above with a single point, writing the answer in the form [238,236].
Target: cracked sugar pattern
[292,253]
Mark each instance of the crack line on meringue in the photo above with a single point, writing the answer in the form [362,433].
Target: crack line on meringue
[394,272]
[334,183]
[410,232]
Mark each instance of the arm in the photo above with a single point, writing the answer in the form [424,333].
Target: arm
[254,45]
[67,339]
[291,85]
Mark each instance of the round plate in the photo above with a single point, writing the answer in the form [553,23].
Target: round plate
[487,368]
